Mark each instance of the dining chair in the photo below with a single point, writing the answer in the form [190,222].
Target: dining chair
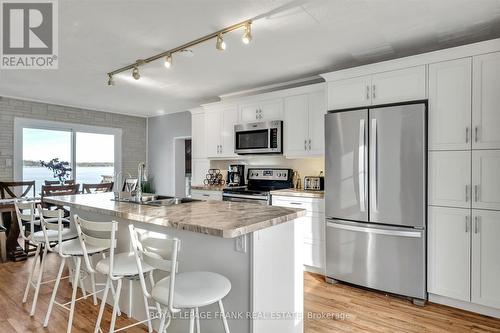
[56,182]
[97,188]
[58,190]
[26,216]
[94,238]
[177,291]
[17,190]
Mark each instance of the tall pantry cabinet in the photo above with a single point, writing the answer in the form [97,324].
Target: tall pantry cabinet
[464,179]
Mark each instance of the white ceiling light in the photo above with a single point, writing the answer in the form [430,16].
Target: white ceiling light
[168,61]
[221,44]
[247,35]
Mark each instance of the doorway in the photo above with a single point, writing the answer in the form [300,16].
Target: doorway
[182,167]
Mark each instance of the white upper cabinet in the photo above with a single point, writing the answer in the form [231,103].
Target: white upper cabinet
[219,131]
[450,178]
[296,125]
[399,86]
[261,111]
[450,98]
[213,124]
[317,111]
[198,135]
[486,258]
[388,87]
[229,119]
[349,93]
[486,102]
[304,125]
[449,250]
[486,179]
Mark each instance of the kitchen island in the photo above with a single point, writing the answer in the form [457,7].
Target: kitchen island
[254,246]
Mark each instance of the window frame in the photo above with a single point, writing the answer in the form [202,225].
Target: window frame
[21,123]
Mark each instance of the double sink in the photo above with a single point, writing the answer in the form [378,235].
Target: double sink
[157,200]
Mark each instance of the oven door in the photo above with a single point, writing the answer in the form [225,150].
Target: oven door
[245,198]
[258,138]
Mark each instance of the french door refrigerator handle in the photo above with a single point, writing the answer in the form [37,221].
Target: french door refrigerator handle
[388,232]
[374,166]
[361,165]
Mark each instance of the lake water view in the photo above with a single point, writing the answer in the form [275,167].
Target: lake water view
[84,175]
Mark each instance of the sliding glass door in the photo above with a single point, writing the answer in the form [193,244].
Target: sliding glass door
[93,152]
[95,158]
[43,145]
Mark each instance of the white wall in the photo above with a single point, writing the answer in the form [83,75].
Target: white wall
[161,133]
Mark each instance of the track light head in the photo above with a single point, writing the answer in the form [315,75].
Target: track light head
[247,35]
[111,82]
[135,73]
[221,44]
[168,61]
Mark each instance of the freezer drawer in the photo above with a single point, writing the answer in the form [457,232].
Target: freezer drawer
[390,259]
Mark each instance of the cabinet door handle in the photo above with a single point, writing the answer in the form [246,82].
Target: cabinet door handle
[309,144]
[305,144]
[221,149]
[476,193]
[476,130]
[466,193]
[367,92]
[374,92]
[476,224]
[466,223]
[467,134]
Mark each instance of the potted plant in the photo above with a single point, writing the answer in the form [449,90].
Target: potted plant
[60,169]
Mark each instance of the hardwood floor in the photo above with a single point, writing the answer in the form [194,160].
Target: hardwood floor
[328,308]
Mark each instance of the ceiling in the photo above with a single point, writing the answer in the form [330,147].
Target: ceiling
[292,40]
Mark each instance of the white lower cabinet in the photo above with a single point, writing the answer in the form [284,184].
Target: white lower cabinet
[449,252]
[312,227]
[486,258]
[464,255]
[206,195]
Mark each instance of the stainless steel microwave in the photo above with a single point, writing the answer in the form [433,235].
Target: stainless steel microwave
[259,138]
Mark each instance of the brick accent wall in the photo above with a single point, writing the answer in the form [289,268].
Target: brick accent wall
[133,130]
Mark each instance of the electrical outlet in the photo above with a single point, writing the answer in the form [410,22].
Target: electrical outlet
[241,244]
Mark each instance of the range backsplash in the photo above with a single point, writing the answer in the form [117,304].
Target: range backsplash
[305,166]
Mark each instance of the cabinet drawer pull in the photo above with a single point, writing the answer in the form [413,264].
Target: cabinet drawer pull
[206,195]
[296,203]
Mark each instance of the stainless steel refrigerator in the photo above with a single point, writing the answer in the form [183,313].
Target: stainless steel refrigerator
[375,198]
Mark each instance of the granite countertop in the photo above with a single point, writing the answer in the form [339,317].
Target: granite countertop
[225,219]
[208,187]
[299,193]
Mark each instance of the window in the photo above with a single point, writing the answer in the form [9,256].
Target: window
[93,152]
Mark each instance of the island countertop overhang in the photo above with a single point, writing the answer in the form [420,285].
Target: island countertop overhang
[217,218]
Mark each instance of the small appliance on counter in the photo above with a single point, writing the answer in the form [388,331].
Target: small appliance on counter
[314,183]
[236,175]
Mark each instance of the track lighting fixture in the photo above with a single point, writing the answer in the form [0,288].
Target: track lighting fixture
[135,73]
[247,35]
[111,82]
[167,55]
[221,44]
[168,61]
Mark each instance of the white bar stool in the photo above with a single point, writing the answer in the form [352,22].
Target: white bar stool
[26,215]
[188,290]
[116,267]
[73,249]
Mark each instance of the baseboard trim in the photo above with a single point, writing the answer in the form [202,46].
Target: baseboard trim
[481,309]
